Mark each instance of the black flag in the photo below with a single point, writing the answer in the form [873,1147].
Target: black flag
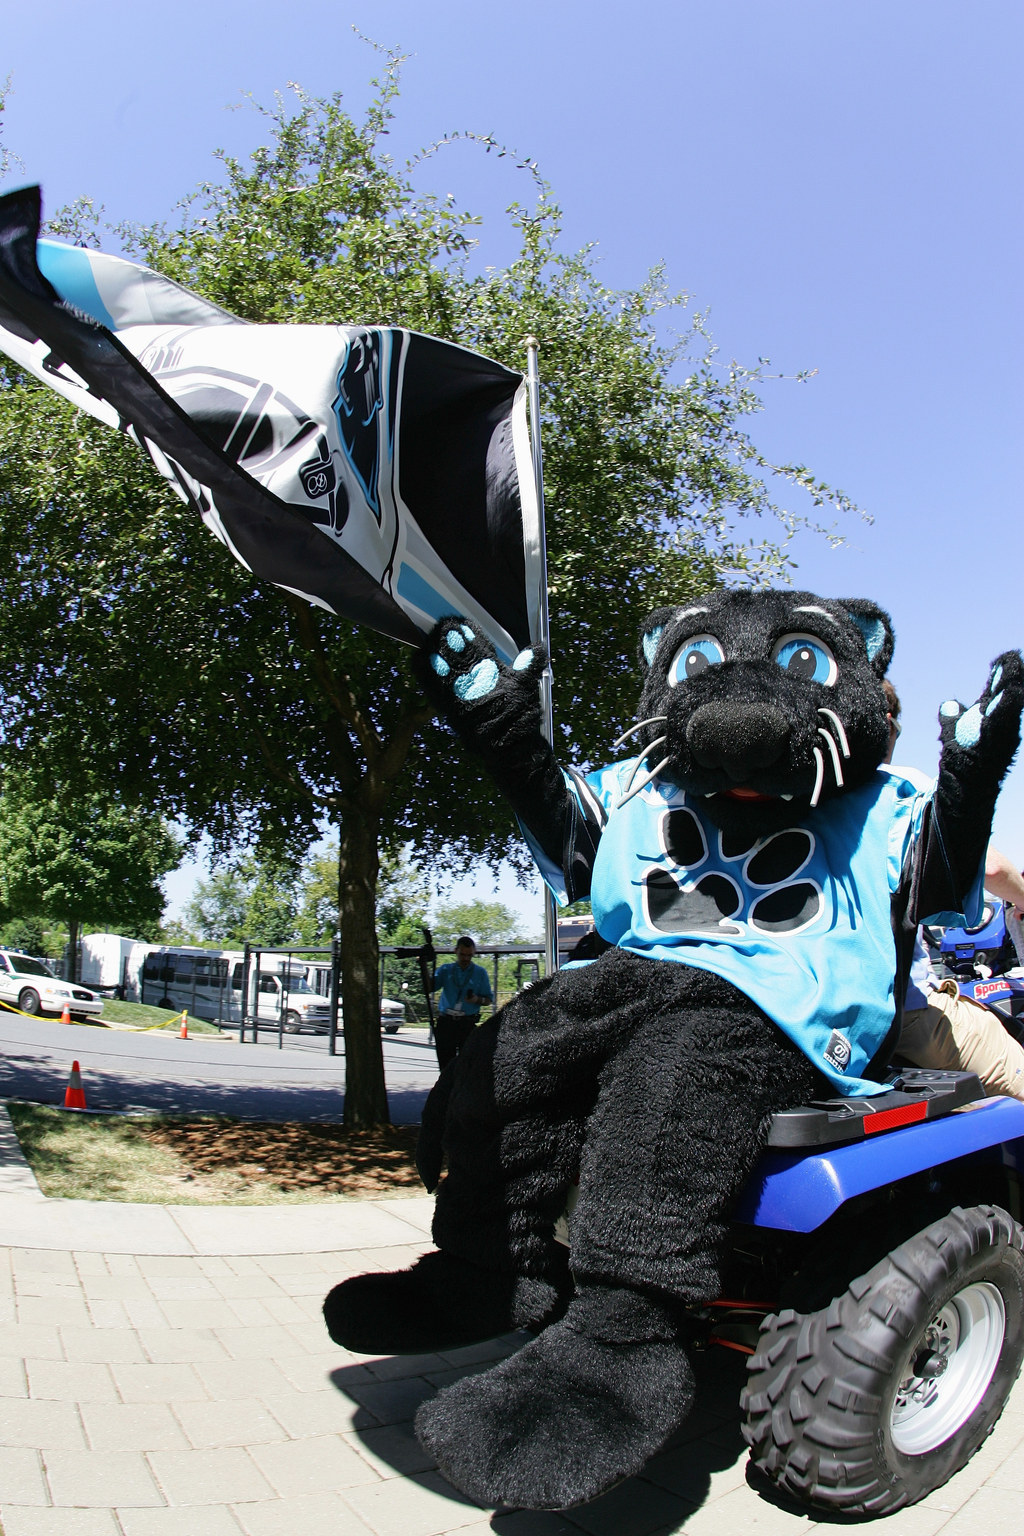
[380,474]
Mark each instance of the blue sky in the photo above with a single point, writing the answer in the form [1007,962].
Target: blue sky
[837,181]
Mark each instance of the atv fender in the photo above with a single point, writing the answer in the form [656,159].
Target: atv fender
[796,1191]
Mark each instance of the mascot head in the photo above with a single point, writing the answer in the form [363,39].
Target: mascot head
[764,703]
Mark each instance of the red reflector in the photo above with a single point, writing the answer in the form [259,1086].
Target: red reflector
[889,1119]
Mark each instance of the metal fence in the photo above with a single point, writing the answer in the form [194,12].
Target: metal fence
[512,967]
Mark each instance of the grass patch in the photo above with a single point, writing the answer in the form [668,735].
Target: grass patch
[145,1017]
[210,1159]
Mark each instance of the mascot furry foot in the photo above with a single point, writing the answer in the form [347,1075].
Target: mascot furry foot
[442,1302]
[580,1408]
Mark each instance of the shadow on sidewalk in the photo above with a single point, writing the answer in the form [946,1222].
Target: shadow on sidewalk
[706,1456]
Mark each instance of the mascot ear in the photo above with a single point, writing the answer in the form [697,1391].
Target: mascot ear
[651,632]
[876,627]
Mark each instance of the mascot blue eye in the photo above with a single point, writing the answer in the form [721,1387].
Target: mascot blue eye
[694,656]
[808,658]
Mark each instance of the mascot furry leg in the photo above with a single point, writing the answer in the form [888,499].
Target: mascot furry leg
[673,1076]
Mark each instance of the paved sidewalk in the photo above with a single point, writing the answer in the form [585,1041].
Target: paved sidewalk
[165,1372]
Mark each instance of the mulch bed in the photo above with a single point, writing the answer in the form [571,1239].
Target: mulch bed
[325,1158]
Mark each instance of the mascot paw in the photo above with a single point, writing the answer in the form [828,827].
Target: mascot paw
[463,662]
[460,671]
[992,724]
[560,1422]
[440,1303]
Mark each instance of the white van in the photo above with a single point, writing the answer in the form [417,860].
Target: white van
[283,995]
[392,1014]
[104,958]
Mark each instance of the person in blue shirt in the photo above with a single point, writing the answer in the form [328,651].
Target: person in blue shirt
[464,988]
[941,1028]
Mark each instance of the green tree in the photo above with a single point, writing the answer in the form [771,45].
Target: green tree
[34,936]
[8,162]
[82,859]
[215,911]
[250,900]
[488,922]
[403,897]
[134,651]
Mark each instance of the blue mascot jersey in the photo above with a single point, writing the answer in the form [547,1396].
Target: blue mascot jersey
[801,921]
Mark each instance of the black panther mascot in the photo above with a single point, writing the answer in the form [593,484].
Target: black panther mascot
[758,877]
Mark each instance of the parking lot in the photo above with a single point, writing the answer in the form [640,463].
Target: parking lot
[124,1070]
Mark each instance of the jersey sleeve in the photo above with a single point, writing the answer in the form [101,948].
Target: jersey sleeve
[934,894]
[590,796]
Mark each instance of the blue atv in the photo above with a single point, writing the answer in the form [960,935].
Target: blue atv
[875,1278]
[985,963]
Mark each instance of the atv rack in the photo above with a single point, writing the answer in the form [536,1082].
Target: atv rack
[917,1094]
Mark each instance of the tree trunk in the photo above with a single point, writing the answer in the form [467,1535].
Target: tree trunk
[366,1102]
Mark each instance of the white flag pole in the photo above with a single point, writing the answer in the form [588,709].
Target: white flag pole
[547,703]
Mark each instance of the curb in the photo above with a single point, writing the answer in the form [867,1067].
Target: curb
[30,1219]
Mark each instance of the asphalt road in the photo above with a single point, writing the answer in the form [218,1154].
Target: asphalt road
[122,1070]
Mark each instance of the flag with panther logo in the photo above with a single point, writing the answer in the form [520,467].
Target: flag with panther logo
[380,474]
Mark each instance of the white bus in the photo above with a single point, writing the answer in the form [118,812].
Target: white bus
[284,988]
[210,984]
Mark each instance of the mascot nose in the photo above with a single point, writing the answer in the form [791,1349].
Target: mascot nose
[737,737]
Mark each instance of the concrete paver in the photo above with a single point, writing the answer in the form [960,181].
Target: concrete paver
[100,1479]
[314,1514]
[61,1522]
[227,1422]
[159,1387]
[21,1480]
[208,1477]
[132,1426]
[211,1520]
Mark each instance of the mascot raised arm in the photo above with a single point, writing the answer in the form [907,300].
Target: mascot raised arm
[757,874]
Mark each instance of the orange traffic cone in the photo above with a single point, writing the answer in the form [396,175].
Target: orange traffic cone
[65,1016]
[183,1031]
[74,1093]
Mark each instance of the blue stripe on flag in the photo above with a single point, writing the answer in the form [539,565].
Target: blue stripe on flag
[414,589]
[421,594]
[68,268]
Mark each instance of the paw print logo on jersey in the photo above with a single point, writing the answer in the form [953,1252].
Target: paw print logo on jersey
[732,887]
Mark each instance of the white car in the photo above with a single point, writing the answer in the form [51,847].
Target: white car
[392,1015]
[30,985]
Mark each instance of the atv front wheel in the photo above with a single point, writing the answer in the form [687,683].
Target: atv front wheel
[875,1401]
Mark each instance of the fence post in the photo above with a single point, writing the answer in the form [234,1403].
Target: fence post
[245,994]
[335,993]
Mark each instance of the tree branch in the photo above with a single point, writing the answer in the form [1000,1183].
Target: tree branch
[393,757]
[336,688]
[272,759]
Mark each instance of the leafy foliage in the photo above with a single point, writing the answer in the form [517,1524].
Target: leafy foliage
[86,859]
[486,922]
[34,936]
[251,900]
[136,653]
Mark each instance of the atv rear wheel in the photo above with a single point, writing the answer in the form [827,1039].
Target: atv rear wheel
[875,1401]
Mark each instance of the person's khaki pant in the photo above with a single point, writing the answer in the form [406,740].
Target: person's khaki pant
[954,1034]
